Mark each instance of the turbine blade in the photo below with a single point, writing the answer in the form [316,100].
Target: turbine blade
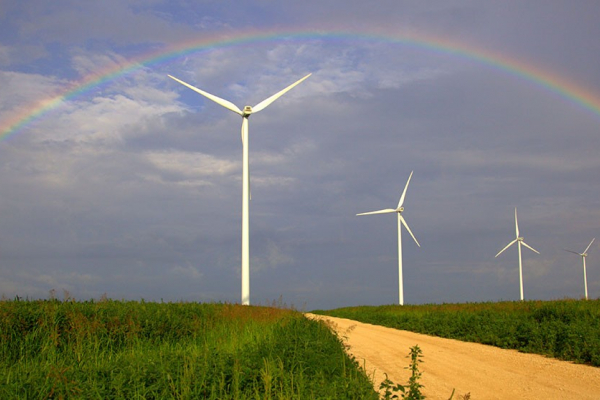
[587,248]
[529,247]
[263,104]
[507,246]
[404,192]
[516,223]
[227,104]
[386,211]
[571,251]
[408,229]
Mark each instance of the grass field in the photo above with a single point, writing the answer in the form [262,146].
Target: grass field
[564,329]
[52,349]
[139,350]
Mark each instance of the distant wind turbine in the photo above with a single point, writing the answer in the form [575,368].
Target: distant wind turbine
[583,256]
[398,210]
[519,241]
[245,114]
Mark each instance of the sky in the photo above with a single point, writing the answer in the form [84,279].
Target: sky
[118,181]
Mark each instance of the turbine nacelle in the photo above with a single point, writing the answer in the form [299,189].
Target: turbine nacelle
[399,210]
[585,252]
[247,111]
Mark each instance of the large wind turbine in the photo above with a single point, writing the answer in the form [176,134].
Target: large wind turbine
[398,210]
[583,256]
[519,241]
[245,114]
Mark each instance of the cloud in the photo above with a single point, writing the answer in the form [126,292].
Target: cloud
[20,90]
[479,159]
[40,284]
[110,118]
[133,186]
[85,62]
[121,22]
[186,272]
[4,55]
[189,168]
[243,75]
[274,256]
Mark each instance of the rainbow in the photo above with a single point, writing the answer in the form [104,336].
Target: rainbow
[545,80]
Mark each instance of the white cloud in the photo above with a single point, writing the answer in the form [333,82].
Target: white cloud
[268,181]
[27,91]
[297,150]
[103,120]
[152,95]
[248,75]
[186,272]
[85,62]
[534,266]
[21,54]
[275,256]
[191,164]
[10,288]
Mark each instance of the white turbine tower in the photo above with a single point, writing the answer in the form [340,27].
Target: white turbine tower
[519,241]
[583,256]
[245,114]
[398,210]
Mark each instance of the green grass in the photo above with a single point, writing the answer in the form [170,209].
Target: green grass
[564,329]
[140,350]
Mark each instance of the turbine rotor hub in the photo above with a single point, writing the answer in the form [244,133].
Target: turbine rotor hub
[247,110]
[520,239]
[400,209]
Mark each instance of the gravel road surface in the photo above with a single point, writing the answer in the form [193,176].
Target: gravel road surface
[486,372]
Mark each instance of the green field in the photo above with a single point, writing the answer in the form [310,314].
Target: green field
[52,349]
[564,329]
[140,350]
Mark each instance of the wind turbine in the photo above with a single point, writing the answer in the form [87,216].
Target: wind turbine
[245,114]
[519,241]
[583,256]
[398,210]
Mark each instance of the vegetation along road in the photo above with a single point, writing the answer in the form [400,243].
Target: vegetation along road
[486,372]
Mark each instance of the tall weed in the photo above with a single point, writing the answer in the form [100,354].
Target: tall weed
[140,350]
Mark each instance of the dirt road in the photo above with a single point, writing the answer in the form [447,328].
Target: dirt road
[485,372]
